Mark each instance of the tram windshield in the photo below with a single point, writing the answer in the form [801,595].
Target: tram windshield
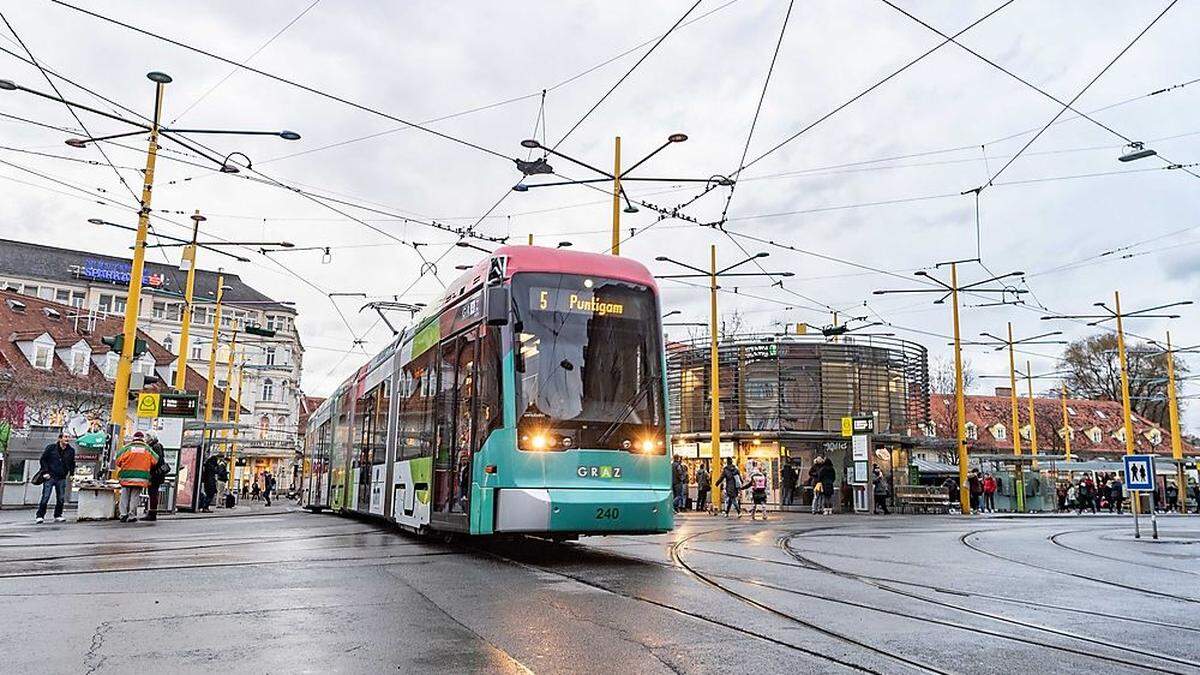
[588,364]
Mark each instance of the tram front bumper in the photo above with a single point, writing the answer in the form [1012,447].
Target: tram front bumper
[582,510]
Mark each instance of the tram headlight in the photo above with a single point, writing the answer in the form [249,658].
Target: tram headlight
[647,446]
[538,442]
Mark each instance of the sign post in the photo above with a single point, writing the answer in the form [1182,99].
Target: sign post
[859,428]
[1139,477]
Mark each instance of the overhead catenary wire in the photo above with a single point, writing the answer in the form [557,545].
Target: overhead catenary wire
[253,54]
[1080,93]
[283,80]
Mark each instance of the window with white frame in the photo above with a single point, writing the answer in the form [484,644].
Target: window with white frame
[1000,432]
[197,353]
[972,431]
[79,361]
[43,356]
[269,355]
[268,389]
[110,364]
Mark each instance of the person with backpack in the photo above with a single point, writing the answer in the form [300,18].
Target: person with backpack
[133,464]
[55,467]
[757,484]
[826,477]
[211,477]
[880,490]
[731,487]
[158,475]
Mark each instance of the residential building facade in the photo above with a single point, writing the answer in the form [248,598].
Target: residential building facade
[96,287]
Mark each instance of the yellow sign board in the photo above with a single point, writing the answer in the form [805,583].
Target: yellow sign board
[847,426]
[148,405]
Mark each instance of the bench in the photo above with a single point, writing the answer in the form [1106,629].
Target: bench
[924,497]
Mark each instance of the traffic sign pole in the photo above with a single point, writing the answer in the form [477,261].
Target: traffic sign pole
[1137,529]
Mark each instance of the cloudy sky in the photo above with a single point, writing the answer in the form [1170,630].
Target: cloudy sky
[864,198]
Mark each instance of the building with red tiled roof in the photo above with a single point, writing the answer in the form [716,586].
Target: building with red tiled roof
[54,365]
[1097,428]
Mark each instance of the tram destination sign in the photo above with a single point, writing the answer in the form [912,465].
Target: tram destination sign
[573,302]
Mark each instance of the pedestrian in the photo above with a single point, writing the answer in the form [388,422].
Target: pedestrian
[268,486]
[1061,494]
[210,481]
[827,478]
[1172,496]
[814,473]
[731,487]
[975,487]
[703,486]
[1116,495]
[989,493]
[1086,495]
[255,491]
[158,476]
[55,467]
[133,464]
[757,484]
[787,480]
[880,490]
[678,483]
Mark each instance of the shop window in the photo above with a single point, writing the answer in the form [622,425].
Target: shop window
[15,471]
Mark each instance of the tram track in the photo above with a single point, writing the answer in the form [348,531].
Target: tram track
[676,609]
[676,556]
[1053,539]
[784,544]
[209,544]
[1104,582]
[954,591]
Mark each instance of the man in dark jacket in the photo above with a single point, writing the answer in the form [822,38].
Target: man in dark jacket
[678,483]
[158,476]
[213,466]
[731,487]
[56,466]
[787,477]
[826,477]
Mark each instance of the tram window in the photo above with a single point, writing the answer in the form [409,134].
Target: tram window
[489,413]
[418,385]
[445,405]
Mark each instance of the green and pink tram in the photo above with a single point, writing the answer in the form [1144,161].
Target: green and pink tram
[530,400]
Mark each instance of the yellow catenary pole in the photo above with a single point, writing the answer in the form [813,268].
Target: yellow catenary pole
[1066,423]
[228,377]
[616,221]
[964,492]
[1128,414]
[212,350]
[531,239]
[120,402]
[1019,488]
[189,259]
[714,382]
[1176,436]
[237,418]
[1033,441]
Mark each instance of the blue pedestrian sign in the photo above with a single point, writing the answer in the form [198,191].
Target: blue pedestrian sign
[1139,472]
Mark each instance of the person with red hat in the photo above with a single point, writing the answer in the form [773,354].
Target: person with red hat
[134,463]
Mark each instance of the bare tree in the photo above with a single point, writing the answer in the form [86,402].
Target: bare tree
[40,399]
[941,375]
[1094,371]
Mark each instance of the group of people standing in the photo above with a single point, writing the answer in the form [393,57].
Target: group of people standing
[214,479]
[983,487]
[138,466]
[822,477]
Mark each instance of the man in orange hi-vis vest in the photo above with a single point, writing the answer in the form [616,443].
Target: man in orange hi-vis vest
[133,463]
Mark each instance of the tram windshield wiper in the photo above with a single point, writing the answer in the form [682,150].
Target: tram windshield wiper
[630,406]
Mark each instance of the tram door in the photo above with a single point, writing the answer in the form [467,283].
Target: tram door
[456,414]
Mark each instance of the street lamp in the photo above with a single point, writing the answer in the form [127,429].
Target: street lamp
[125,364]
[1136,150]
[467,244]
[714,372]
[951,290]
[617,175]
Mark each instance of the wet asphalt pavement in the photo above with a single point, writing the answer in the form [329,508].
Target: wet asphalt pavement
[285,591]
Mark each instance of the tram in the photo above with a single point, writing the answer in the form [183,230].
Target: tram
[530,400]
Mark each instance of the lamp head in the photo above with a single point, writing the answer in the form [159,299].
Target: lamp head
[520,187]
[8,85]
[677,138]
[95,221]
[564,244]
[530,143]
[763,254]
[229,168]
[289,135]
[76,142]
[661,258]
[158,78]
[631,209]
